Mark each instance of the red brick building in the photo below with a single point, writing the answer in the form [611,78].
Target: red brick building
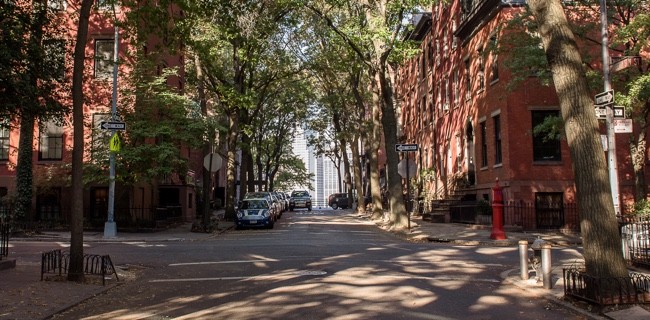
[174,197]
[472,129]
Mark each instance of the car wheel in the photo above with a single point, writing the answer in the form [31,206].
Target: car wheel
[335,206]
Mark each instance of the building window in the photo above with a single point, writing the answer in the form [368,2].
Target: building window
[497,139]
[104,58]
[545,147]
[481,70]
[423,67]
[437,52]
[54,63]
[495,60]
[456,87]
[446,102]
[48,205]
[431,62]
[484,153]
[549,210]
[454,39]
[50,142]
[468,80]
[4,140]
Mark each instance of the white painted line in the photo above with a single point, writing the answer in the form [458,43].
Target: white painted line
[220,262]
[282,276]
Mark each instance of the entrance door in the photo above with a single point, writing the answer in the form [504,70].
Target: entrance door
[98,203]
[549,210]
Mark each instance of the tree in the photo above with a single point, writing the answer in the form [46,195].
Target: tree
[603,256]
[374,34]
[240,60]
[33,86]
[630,31]
[75,270]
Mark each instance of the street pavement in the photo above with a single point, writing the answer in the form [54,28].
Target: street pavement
[24,296]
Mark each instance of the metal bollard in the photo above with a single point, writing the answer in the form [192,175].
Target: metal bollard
[523,259]
[546,266]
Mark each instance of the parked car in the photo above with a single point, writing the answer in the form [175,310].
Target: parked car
[272,199]
[300,199]
[255,212]
[283,206]
[338,200]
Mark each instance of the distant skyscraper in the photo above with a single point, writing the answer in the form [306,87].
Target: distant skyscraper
[326,178]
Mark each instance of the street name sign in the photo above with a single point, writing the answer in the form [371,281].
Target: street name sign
[406,147]
[605,98]
[601,112]
[619,112]
[112,125]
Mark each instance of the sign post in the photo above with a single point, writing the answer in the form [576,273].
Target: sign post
[110,228]
[607,97]
[407,147]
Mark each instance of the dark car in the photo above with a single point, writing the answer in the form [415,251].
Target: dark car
[300,199]
[338,200]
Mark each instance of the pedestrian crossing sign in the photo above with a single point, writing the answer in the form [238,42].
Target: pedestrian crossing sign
[115,144]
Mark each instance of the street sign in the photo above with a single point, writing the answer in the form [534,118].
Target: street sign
[601,112]
[622,125]
[115,145]
[112,125]
[212,162]
[604,98]
[619,112]
[406,147]
[402,168]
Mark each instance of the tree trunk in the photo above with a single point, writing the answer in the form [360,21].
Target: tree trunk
[356,167]
[75,270]
[601,239]
[231,166]
[206,190]
[398,217]
[376,189]
[24,175]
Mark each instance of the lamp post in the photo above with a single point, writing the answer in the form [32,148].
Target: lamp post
[110,228]
[609,113]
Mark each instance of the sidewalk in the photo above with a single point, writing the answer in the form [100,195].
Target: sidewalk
[24,296]
[473,235]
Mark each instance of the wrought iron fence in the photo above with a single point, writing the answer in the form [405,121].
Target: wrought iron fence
[57,262]
[635,234]
[606,291]
[4,239]
[518,214]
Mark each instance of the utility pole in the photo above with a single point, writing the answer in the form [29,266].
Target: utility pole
[110,228]
[611,136]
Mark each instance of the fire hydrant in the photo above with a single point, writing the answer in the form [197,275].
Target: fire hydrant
[536,258]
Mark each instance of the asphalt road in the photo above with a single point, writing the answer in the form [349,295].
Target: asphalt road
[322,264]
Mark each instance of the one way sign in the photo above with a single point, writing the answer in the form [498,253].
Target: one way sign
[406,147]
[112,125]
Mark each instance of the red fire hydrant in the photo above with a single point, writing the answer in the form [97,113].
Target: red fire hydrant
[497,213]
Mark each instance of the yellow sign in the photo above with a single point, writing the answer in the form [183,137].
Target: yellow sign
[115,145]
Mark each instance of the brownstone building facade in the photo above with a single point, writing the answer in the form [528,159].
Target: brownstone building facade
[140,204]
[473,130]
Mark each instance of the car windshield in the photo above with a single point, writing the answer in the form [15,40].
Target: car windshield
[300,194]
[255,195]
[255,204]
